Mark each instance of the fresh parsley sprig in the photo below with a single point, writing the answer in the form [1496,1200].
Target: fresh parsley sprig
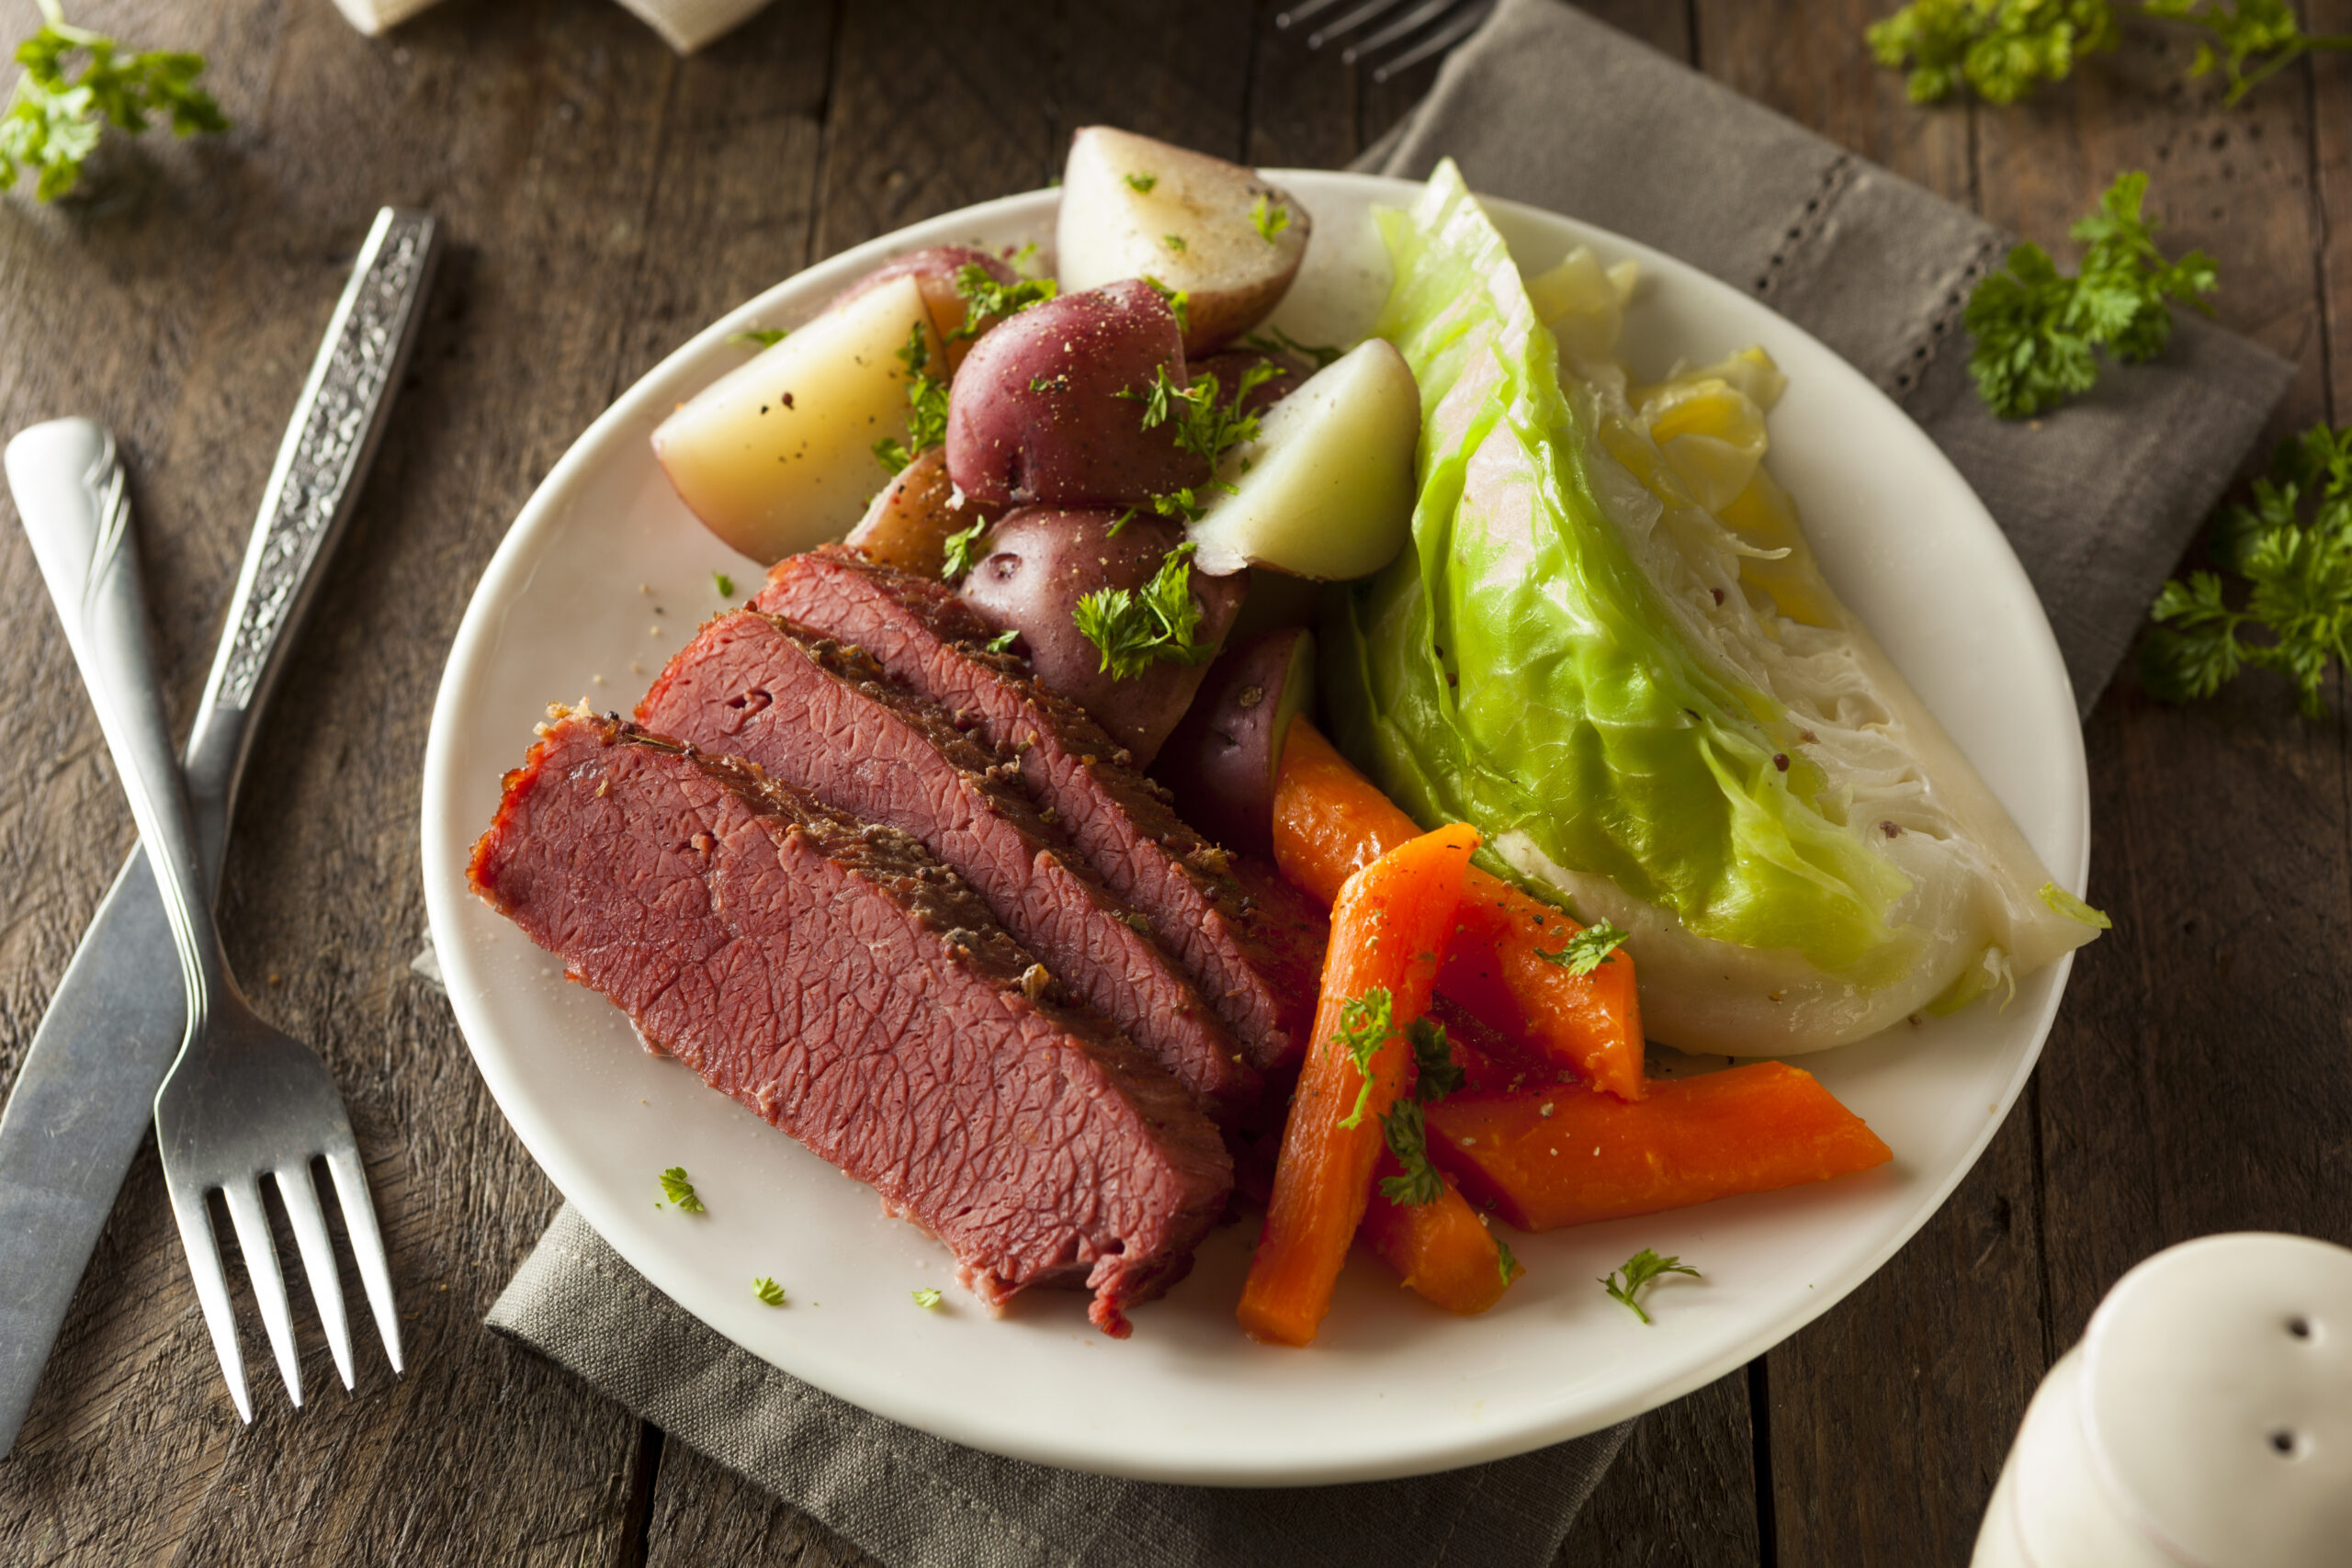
[2003,50]
[56,116]
[1207,424]
[1435,1072]
[680,1191]
[768,1290]
[1435,1076]
[1364,1022]
[2038,332]
[760,337]
[1269,218]
[1180,302]
[1638,1272]
[1136,628]
[1588,949]
[959,550]
[926,404]
[986,301]
[2293,546]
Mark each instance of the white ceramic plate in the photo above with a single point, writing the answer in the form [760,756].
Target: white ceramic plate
[604,575]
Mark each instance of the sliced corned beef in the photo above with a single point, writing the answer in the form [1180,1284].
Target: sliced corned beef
[928,639]
[824,718]
[836,978]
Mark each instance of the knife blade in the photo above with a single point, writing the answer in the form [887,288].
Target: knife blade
[86,1094]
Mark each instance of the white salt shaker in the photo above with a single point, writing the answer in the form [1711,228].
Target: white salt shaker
[2205,1421]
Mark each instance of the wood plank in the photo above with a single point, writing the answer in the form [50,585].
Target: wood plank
[187,316]
[1681,1494]
[2331,123]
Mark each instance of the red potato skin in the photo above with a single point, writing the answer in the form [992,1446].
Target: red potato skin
[934,271]
[1035,415]
[1219,760]
[1040,561]
[907,524]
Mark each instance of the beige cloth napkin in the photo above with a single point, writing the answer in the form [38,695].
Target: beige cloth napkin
[685,25]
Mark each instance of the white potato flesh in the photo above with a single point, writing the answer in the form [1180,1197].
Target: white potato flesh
[777,454]
[1326,490]
[1135,208]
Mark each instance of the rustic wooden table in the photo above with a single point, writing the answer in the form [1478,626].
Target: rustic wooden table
[603,200]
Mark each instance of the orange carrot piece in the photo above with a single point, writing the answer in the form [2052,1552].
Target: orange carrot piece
[1389,931]
[1440,1249]
[1330,819]
[1542,1158]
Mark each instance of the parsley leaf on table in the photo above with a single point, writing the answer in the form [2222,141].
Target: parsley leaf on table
[1135,627]
[2038,331]
[1638,1272]
[1588,949]
[53,120]
[2265,32]
[2299,573]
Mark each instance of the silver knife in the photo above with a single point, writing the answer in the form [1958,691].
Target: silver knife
[86,1094]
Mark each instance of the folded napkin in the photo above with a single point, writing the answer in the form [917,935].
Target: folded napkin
[685,25]
[1548,107]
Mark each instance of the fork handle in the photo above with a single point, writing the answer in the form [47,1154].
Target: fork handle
[70,492]
[329,446]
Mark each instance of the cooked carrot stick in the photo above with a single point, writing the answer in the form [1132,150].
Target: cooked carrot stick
[1389,930]
[1440,1249]
[1542,1158]
[1330,819]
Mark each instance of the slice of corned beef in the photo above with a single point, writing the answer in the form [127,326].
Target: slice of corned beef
[928,639]
[837,979]
[822,717]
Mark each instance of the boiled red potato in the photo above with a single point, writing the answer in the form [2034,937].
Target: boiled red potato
[1276,600]
[1135,208]
[777,454]
[912,518]
[1049,407]
[1221,759]
[1232,366]
[1035,577]
[1327,489]
[934,271]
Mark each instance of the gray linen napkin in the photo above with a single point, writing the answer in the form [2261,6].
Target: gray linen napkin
[1548,107]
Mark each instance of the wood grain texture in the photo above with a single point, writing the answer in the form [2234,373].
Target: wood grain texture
[604,200]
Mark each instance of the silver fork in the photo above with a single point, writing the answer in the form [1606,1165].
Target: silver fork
[1425,28]
[243,1099]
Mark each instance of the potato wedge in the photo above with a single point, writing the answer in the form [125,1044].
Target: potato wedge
[1135,208]
[777,454]
[1327,489]
[907,524]
[934,271]
[1221,760]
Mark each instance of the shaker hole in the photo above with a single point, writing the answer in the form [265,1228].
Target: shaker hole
[2282,1441]
[2301,1328]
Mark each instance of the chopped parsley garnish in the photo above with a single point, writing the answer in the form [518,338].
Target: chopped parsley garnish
[1273,340]
[768,1290]
[926,405]
[958,550]
[1021,260]
[1134,629]
[1511,1267]
[985,299]
[927,1299]
[1270,220]
[1435,1072]
[1364,1022]
[1003,642]
[2298,578]
[1206,424]
[2038,331]
[1588,949]
[761,337]
[1408,1134]
[1057,382]
[54,121]
[1175,241]
[679,1190]
[1180,302]
[726,584]
[1140,184]
[1638,1272]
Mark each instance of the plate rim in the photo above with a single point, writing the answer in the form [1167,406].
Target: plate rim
[548,501]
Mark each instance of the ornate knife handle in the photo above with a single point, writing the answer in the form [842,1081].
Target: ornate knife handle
[313,489]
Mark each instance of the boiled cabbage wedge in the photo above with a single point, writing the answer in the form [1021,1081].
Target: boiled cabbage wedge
[1609,649]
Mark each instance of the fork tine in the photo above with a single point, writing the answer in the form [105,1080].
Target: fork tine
[244,1197]
[300,1192]
[1370,11]
[211,1287]
[1443,39]
[1305,11]
[367,1241]
[1412,21]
